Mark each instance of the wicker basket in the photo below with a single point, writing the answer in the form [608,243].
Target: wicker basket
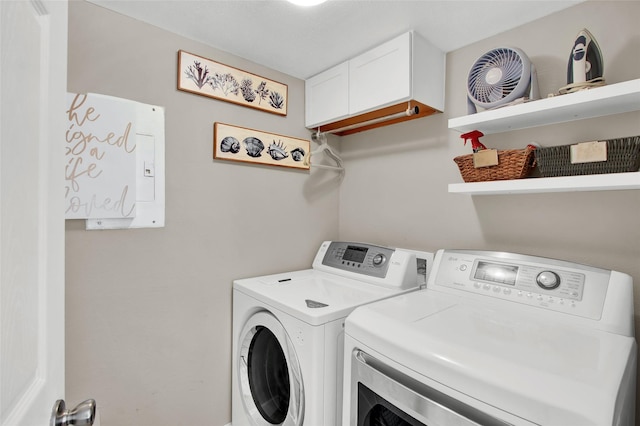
[623,155]
[512,164]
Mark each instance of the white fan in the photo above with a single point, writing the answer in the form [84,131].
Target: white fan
[501,76]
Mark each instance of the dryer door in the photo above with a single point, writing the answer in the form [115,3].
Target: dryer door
[269,373]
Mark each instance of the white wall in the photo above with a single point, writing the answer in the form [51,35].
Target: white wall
[395,188]
[409,165]
[149,311]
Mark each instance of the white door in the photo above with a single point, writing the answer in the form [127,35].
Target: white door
[33,83]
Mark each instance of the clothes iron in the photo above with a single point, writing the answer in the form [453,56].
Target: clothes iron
[585,61]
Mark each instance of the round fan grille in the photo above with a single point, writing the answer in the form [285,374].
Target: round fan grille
[499,76]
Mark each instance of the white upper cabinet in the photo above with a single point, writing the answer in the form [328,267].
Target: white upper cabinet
[381,76]
[404,69]
[327,95]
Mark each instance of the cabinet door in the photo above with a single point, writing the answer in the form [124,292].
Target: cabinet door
[381,76]
[327,96]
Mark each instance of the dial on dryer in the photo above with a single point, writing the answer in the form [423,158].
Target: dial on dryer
[379,259]
[548,280]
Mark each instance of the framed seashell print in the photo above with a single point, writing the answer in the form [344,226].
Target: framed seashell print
[206,77]
[254,146]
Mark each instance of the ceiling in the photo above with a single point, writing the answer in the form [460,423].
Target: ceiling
[302,41]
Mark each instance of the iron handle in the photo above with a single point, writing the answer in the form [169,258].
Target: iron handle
[83,415]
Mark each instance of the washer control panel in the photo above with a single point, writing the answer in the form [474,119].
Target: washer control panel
[362,258]
[546,283]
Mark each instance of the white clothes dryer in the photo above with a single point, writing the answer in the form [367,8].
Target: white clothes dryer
[496,339]
[288,331]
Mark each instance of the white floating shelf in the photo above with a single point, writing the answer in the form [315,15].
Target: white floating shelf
[601,101]
[603,182]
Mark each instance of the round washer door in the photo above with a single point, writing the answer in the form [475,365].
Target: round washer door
[270,377]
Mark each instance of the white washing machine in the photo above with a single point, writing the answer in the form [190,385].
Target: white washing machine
[288,330]
[496,339]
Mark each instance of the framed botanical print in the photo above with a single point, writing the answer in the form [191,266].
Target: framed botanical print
[206,77]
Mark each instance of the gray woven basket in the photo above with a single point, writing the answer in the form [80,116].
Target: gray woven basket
[623,155]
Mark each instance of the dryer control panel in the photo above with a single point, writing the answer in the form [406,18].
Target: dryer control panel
[531,278]
[546,283]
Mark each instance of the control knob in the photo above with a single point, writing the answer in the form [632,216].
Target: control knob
[548,280]
[379,259]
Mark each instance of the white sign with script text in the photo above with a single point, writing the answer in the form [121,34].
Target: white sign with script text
[100,157]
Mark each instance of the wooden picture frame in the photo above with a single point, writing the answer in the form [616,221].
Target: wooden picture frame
[246,145]
[206,77]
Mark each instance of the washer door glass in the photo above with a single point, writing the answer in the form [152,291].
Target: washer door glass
[268,376]
[270,379]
